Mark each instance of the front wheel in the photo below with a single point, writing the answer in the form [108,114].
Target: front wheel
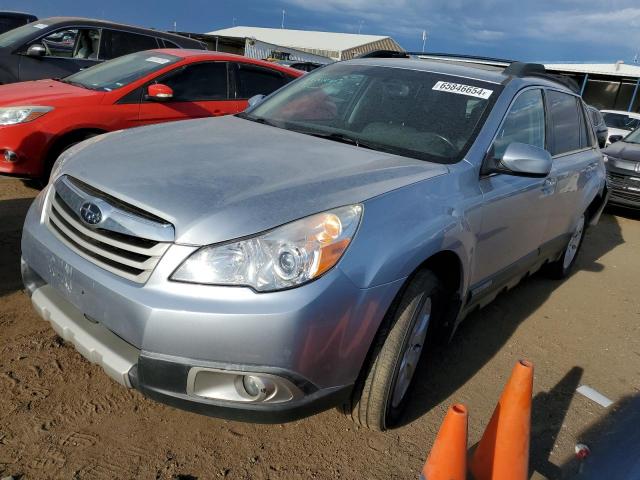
[379,398]
[562,267]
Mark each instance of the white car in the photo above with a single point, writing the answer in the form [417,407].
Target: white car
[620,122]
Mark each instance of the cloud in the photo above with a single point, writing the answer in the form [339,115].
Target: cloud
[540,27]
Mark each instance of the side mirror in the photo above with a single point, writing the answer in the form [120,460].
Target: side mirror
[255,100]
[36,50]
[159,92]
[522,160]
[615,138]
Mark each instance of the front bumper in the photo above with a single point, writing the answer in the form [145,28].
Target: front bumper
[164,378]
[316,336]
[29,146]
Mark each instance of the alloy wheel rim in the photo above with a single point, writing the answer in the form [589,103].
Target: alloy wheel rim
[411,354]
[574,243]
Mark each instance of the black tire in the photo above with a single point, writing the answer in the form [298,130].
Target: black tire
[562,267]
[371,402]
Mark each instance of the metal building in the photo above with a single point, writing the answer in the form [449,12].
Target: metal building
[329,45]
[611,86]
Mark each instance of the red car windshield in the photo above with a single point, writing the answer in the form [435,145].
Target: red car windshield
[121,71]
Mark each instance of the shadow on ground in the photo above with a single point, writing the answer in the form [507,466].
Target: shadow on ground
[12,213]
[614,442]
[445,369]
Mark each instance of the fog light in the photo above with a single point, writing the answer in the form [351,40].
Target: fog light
[234,386]
[10,156]
[254,387]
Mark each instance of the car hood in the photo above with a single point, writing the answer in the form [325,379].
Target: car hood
[46,92]
[624,151]
[225,178]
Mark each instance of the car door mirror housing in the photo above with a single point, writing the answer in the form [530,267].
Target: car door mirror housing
[615,138]
[255,100]
[159,92]
[523,160]
[36,50]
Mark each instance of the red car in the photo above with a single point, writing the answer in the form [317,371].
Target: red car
[40,119]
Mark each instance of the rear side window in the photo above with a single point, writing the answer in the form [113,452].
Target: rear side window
[523,124]
[585,127]
[199,82]
[117,44]
[568,131]
[167,44]
[252,81]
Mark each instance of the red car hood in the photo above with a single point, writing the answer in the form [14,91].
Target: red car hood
[46,92]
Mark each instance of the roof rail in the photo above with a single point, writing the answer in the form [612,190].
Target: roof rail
[384,54]
[511,67]
[499,62]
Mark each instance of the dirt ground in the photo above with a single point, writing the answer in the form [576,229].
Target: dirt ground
[61,417]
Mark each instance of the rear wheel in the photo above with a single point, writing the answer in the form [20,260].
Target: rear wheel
[380,397]
[562,267]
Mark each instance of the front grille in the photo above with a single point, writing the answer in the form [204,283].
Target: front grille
[128,256]
[623,187]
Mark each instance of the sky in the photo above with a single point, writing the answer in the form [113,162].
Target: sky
[543,30]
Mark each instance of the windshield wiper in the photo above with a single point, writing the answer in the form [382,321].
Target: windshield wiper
[75,84]
[261,120]
[342,138]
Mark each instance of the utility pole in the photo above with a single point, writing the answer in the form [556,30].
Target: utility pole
[283,13]
[424,39]
[360,26]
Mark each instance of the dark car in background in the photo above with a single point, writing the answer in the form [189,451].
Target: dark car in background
[57,47]
[599,126]
[300,65]
[11,20]
[620,123]
[623,170]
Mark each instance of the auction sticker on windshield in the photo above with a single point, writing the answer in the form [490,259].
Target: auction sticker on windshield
[461,89]
[159,60]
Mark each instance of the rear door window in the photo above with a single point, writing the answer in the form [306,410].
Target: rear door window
[523,124]
[252,80]
[117,43]
[568,130]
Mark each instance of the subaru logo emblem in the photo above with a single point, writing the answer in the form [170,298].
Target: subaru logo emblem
[90,213]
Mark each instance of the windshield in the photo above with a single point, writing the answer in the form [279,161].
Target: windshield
[121,71]
[633,137]
[621,121]
[20,34]
[424,115]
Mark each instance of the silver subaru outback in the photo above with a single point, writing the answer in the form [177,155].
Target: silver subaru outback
[305,254]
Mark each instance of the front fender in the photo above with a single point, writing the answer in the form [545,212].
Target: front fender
[402,229]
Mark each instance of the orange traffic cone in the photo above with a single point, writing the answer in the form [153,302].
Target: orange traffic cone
[503,451]
[448,457]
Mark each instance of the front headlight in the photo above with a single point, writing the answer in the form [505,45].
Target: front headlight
[14,115]
[285,257]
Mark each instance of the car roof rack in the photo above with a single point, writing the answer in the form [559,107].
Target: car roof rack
[512,68]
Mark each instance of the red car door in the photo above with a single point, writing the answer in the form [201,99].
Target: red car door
[199,90]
